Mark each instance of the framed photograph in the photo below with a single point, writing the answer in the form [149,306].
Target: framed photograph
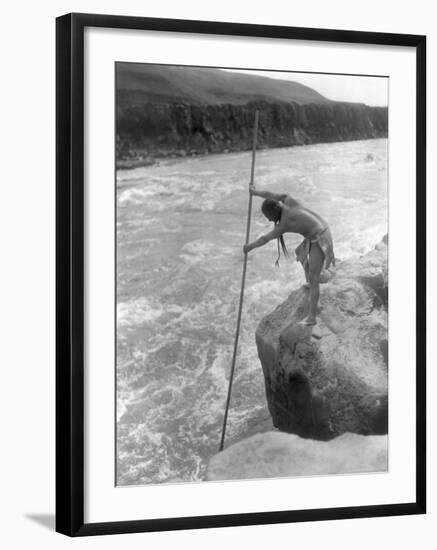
[240,274]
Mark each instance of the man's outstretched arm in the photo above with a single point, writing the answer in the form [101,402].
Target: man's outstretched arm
[266,194]
[261,241]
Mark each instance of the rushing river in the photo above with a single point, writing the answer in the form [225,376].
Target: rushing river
[180,230]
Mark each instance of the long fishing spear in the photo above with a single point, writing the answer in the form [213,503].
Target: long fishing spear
[243,280]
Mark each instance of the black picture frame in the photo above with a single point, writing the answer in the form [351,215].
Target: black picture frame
[70,273]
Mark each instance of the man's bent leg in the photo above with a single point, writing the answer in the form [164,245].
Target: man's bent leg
[315,265]
[306,269]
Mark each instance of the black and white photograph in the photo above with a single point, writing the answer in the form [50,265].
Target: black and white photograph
[251,274]
[215,275]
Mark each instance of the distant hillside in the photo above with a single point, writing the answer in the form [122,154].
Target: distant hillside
[138,84]
[166,111]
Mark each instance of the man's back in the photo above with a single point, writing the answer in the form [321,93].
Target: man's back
[298,219]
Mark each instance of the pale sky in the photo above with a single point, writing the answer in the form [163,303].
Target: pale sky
[370,90]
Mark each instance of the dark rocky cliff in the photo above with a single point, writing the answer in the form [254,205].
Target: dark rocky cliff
[155,130]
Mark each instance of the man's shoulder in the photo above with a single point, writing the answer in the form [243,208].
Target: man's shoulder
[290,202]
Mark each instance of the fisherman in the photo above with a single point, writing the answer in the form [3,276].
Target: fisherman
[316,250]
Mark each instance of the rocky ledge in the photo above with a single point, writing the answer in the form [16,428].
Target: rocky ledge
[325,385]
[276,454]
[330,379]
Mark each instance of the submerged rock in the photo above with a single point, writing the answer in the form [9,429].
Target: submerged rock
[275,454]
[330,379]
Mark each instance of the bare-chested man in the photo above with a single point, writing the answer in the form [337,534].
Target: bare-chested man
[315,252]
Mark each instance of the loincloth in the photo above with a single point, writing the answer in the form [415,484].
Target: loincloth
[324,239]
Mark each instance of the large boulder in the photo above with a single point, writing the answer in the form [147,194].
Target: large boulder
[276,454]
[330,379]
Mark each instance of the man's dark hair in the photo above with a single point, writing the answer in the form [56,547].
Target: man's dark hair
[272,209]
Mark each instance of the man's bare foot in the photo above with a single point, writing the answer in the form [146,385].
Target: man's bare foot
[308,321]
